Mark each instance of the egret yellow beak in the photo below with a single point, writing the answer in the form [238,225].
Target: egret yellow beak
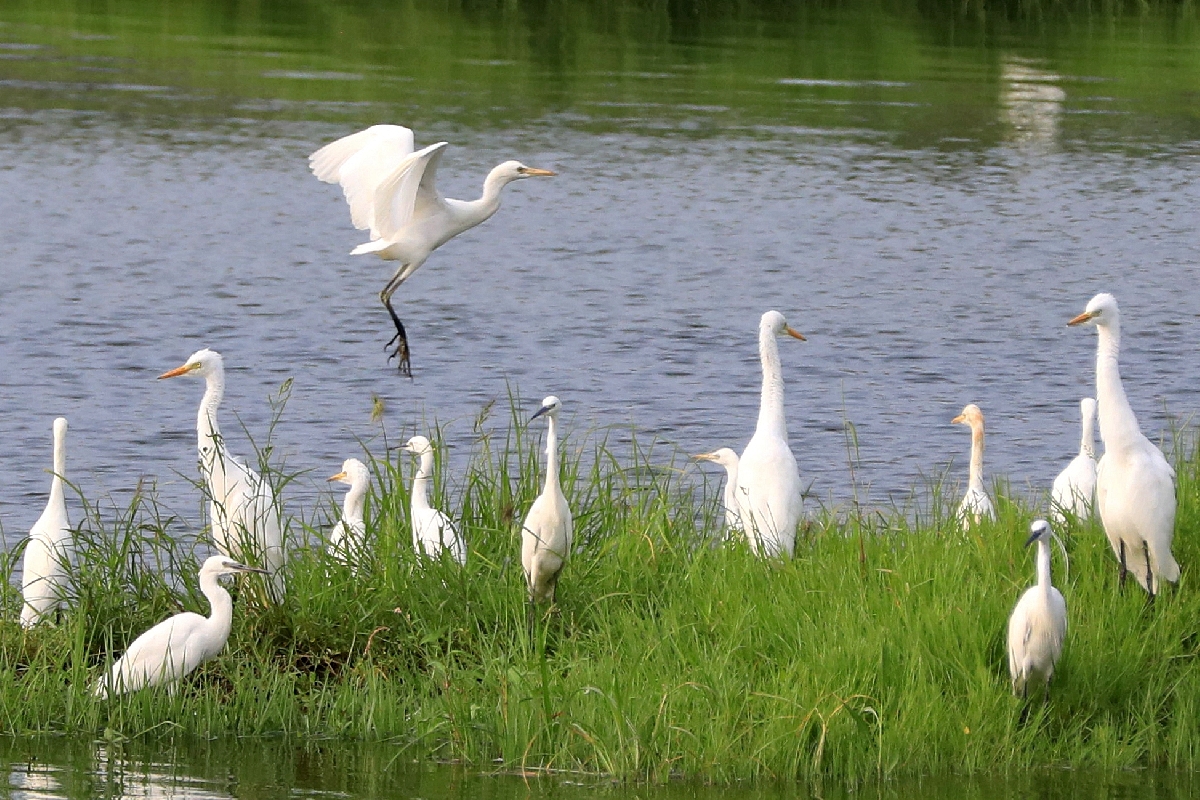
[790,331]
[705,457]
[958,419]
[175,373]
[1082,318]
[341,476]
[535,172]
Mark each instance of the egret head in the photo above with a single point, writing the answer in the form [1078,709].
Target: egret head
[418,446]
[1087,408]
[774,322]
[221,565]
[353,472]
[725,457]
[1101,310]
[515,171]
[201,363]
[550,407]
[1038,530]
[60,427]
[971,415]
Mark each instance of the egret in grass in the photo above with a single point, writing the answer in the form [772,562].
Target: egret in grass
[1038,624]
[242,506]
[1074,489]
[975,504]
[48,553]
[176,646]
[728,459]
[768,480]
[1135,486]
[392,193]
[348,537]
[432,531]
[548,528]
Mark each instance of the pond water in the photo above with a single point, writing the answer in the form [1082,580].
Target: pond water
[928,196]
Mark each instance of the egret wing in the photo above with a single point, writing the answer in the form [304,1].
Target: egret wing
[396,198]
[360,162]
[155,657]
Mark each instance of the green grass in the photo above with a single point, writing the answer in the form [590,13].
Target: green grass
[879,649]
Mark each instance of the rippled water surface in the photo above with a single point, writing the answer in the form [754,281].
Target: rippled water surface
[929,200]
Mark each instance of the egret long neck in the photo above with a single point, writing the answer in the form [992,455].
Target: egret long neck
[770,411]
[420,490]
[1118,425]
[352,505]
[1087,442]
[1043,565]
[60,467]
[473,212]
[208,432]
[221,617]
[976,481]
[552,483]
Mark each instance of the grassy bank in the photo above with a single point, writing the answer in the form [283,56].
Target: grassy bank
[878,649]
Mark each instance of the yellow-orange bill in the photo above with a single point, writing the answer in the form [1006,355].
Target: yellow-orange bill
[1082,318]
[175,373]
[341,476]
[539,172]
[790,331]
[703,457]
[958,419]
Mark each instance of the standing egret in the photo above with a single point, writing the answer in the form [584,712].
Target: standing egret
[44,568]
[768,480]
[176,646]
[242,506]
[546,533]
[1135,486]
[1074,489]
[348,537]
[975,504]
[432,531]
[1038,624]
[729,460]
[391,192]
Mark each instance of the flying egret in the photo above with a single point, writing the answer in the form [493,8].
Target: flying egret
[242,506]
[1074,489]
[44,568]
[975,504]
[348,537]
[1135,486]
[546,533]
[768,481]
[1038,624]
[728,459]
[391,192]
[432,531]
[176,646]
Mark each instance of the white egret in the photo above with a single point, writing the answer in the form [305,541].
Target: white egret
[768,480]
[548,528]
[1074,489]
[1038,624]
[1135,486]
[176,646]
[348,537]
[975,504]
[432,531]
[242,506]
[391,192]
[728,459]
[44,567]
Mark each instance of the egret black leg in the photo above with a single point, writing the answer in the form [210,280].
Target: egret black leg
[1149,572]
[400,340]
[1124,569]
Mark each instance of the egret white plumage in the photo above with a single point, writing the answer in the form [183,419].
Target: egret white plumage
[1038,624]
[547,531]
[768,480]
[728,459]
[348,537]
[1135,486]
[176,646]
[44,566]
[975,504]
[391,192]
[243,510]
[1074,489]
[432,531]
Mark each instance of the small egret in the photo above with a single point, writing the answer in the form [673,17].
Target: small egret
[975,504]
[546,533]
[768,480]
[1038,624]
[1135,486]
[44,568]
[432,531]
[728,459]
[1074,489]
[242,506]
[176,646]
[391,192]
[348,537]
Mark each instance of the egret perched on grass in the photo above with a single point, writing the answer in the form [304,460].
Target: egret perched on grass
[432,531]
[728,459]
[44,567]
[546,533]
[768,480]
[1074,489]
[242,506]
[1135,486]
[1038,624]
[391,192]
[176,646]
[347,539]
[975,504]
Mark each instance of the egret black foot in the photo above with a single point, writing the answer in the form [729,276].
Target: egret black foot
[400,352]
